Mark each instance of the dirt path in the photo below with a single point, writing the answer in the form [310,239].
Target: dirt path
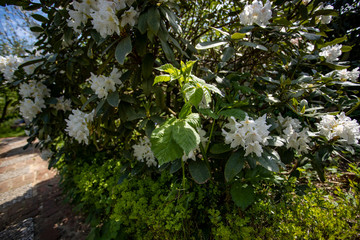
[31,205]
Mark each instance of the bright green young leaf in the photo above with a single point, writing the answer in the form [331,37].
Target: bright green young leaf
[194,120]
[123,49]
[237,36]
[196,97]
[163,145]
[185,111]
[168,68]
[346,48]
[162,78]
[185,136]
[187,68]
[234,165]
[199,171]
[242,194]
[205,85]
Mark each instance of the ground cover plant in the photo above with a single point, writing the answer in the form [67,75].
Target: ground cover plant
[191,119]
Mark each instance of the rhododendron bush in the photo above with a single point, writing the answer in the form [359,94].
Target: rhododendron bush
[210,91]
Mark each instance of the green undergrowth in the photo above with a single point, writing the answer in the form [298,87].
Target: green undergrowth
[7,129]
[158,207]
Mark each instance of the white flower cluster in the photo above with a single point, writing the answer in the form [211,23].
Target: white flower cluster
[142,151]
[331,53]
[77,125]
[46,154]
[348,75]
[250,134]
[256,13]
[340,126]
[326,19]
[103,85]
[29,69]
[8,66]
[203,141]
[33,94]
[103,15]
[310,47]
[294,138]
[62,104]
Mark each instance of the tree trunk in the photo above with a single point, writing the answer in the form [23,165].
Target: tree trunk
[3,114]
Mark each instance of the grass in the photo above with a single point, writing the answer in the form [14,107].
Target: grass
[6,129]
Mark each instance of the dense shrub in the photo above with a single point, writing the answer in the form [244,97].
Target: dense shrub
[158,208]
[159,114]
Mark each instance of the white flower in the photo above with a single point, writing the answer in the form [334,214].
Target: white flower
[340,126]
[142,152]
[46,154]
[120,4]
[348,75]
[105,20]
[354,74]
[129,2]
[33,89]
[29,108]
[256,13]
[310,47]
[129,17]
[326,19]
[250,134]
[331,53]
[294,138]
[77,125]
[295,41]
[62,104]
[29,69]
[103,85]
[8,65]
[80,14]
[203,141]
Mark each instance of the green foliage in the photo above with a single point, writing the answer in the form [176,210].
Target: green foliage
[9,129]
[156,207]
[189,98]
